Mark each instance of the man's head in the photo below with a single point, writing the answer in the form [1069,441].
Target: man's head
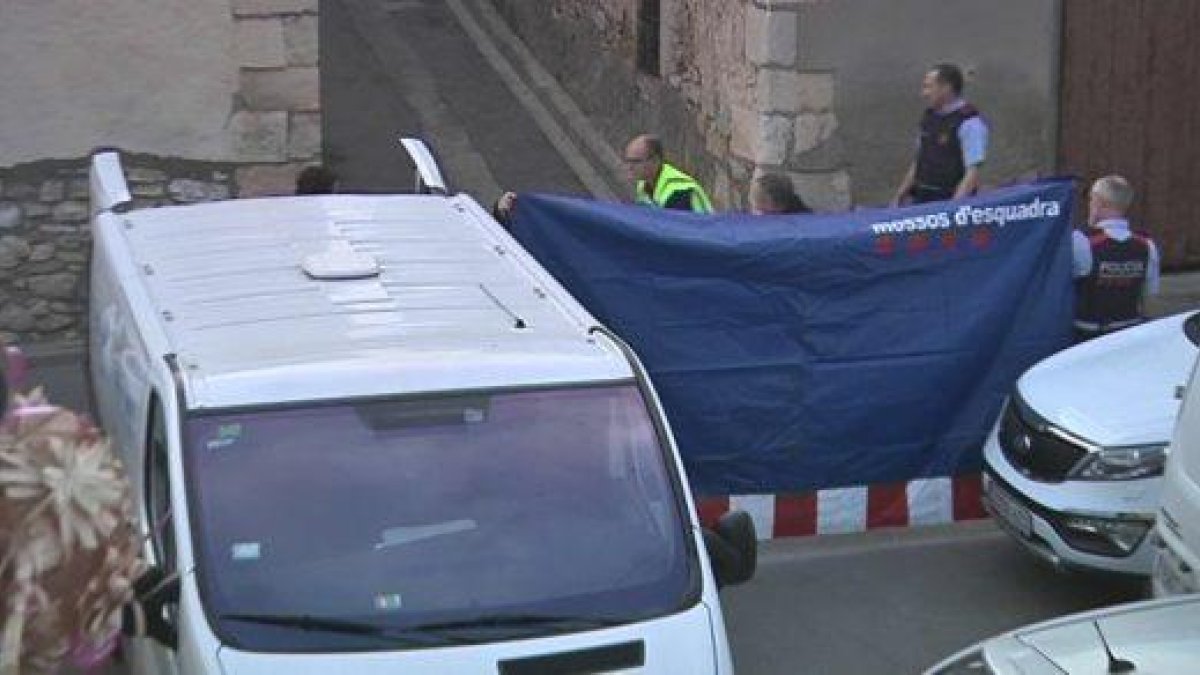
[943,84]
[772,194]
[1110,197]
[644,158]
[316,180]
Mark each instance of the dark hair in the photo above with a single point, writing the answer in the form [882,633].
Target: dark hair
[315,180]
[654,146]
[948,73]
[779,189]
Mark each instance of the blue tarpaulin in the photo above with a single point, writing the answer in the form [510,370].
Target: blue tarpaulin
[795,353]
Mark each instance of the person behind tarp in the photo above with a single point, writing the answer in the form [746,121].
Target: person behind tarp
[952,145]
[647,166]
[1115,268]
[774,194]
[316,180]
[657,182]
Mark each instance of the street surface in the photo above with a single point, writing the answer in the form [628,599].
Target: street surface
[881,602]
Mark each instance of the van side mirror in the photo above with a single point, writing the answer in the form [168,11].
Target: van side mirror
[156,596]
[732,548]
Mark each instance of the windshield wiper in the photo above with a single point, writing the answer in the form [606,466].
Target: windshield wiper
[522,621]
[341,626]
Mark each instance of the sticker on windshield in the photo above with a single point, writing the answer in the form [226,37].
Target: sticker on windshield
[227,435]
[246,550]
[473,415]
[388,602]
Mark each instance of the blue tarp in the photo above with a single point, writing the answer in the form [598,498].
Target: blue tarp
[806,352]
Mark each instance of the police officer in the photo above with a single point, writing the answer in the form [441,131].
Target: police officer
[1114,267]
[952,145]
[657,182]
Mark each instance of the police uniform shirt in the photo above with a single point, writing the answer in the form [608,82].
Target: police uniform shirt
[1118,230]
[972,135]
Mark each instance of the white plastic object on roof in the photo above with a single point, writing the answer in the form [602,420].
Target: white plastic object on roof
[340,261]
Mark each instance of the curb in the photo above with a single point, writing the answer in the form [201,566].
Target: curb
[598,166]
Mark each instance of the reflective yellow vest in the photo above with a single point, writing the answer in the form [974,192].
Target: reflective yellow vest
[670,181]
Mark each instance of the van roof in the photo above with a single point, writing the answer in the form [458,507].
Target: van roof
[456,303]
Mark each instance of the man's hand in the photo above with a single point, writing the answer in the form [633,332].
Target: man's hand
[506,204]
[969,184]
[904,192]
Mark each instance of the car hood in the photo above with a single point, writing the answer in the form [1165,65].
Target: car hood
[681,643]
[1120,389]
[1156,637]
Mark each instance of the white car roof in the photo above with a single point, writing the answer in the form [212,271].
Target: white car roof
[457,303]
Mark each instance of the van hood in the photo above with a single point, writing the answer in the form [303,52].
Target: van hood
[1120,389]
[1155,637]
[680,643]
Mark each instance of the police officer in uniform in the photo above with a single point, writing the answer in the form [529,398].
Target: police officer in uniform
[1115,268]
[952,145]
[657,182]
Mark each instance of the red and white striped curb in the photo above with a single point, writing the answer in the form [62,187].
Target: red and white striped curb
[928,501]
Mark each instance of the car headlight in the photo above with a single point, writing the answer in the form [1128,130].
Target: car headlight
[970,663]
[1117,537]
[1128,463]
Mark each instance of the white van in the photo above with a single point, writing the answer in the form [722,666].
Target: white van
[372,435]
[1073,469]
[1177,530]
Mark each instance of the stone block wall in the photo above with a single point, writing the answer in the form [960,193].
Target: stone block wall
[276,121]
[731,99]
[45,235]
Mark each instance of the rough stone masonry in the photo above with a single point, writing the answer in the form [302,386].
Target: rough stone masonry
[45,235]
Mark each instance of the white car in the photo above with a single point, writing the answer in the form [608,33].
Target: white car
[1158,636]
[1073,469]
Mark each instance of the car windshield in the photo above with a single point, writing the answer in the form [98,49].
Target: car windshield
[451,512]
[1191,328]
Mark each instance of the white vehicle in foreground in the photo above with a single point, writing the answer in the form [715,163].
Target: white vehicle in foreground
[1177,532]
[1158,636]
[371,435]
[1073,469]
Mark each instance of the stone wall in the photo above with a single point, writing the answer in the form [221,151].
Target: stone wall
[728,102]
[208,101]
[45,236]
[276,119]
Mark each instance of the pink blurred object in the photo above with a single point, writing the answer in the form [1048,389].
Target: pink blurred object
[17,368]
[91,657]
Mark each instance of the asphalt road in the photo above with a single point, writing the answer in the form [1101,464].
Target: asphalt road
[896,602]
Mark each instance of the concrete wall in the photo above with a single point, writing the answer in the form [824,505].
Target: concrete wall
[81,74]
[878,50]
[207,100]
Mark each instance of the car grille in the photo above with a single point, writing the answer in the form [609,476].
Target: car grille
[1036,452]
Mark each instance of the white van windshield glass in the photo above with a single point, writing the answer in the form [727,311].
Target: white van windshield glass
[460,518]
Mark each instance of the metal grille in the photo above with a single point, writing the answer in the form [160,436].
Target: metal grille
[1033,450]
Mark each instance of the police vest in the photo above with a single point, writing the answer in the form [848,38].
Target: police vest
[1112,291]
[940,164]
[671,181]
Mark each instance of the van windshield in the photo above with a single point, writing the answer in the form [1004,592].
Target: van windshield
[479,517]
